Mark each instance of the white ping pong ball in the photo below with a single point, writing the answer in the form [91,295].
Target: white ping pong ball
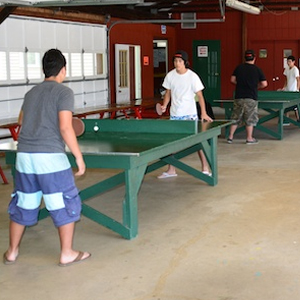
[96,128]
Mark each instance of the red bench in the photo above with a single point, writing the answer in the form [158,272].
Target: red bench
[137,107]
[12,125]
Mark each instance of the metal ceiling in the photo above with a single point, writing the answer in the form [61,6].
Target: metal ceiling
[146,9]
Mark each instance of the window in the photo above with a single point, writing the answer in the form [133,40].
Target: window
[263,53]
[34,65]
[93,64]
[99,64]
[88,64]
[3,64]
[123,68]
[22,66]
[76,65]
[286,54]
[66,55]
[16,66]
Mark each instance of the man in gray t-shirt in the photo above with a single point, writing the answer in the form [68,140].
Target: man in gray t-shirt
[42,166]
[40,132]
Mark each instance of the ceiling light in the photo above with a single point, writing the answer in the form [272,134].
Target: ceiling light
[146,4]
[165,9]
[242,6]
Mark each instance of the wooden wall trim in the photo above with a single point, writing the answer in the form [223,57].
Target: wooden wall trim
[57,14]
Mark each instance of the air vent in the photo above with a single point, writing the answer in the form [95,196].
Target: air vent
[190,17]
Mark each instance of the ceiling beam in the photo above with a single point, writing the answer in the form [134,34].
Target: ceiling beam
[57,14]
[5,12]
[47,3]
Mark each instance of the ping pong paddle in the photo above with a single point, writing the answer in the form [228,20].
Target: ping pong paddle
[78,126]
[159,109]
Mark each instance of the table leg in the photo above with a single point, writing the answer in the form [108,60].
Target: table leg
[228,112]
[280,123]
[14,131]
[137,111]
[5,181]
[133,181]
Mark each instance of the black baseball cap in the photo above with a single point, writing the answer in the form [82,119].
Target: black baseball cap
[249,55]
[181,54]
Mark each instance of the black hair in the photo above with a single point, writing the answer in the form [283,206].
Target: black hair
[53,61]
[291,57]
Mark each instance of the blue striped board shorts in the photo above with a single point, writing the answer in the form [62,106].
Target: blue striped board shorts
[48,176]
[187,117]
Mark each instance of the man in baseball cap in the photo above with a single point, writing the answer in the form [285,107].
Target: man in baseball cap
[182,84]
[247,78]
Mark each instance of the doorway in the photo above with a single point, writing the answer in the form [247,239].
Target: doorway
[160,64]
[271,58]
[207,64]
[128,73]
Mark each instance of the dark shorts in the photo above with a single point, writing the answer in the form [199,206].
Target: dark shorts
[245,110]
[47,176]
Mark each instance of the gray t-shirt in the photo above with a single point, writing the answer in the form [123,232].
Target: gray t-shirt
[40,127]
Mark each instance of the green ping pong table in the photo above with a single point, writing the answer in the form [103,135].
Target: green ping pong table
[137,147]
[276,104]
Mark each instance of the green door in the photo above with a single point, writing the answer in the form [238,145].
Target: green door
[206,63]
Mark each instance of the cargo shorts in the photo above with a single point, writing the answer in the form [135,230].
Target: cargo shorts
[245,110]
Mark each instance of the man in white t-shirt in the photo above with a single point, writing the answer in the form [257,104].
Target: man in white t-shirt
[291,72]
[292,82]
[182,84]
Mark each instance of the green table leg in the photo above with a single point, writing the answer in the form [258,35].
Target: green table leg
[133,181]
[228,112]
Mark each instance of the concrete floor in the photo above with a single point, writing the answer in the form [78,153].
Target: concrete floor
[239,240]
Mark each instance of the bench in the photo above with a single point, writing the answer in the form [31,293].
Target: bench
[12,125]
[139,108]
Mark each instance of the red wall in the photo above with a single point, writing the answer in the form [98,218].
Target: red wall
[230,35]
[143,35]
[275,26]
[266,26]
[237,27]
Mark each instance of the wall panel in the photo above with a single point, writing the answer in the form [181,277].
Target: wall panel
[143,35]
[38,35]
[48,36]
[283,26]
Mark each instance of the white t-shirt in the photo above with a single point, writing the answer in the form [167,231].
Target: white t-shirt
[183,89]
[291,75]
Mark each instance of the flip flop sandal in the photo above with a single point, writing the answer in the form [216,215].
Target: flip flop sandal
[78,259]
[166,175]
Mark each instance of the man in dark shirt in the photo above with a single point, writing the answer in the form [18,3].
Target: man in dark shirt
[248,78]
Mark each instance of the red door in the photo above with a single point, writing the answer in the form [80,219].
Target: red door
[271,58]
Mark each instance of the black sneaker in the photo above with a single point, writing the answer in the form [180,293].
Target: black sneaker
[229,141]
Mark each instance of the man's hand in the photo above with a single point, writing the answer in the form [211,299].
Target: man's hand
[206,118]
[163,108]
[81,167]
